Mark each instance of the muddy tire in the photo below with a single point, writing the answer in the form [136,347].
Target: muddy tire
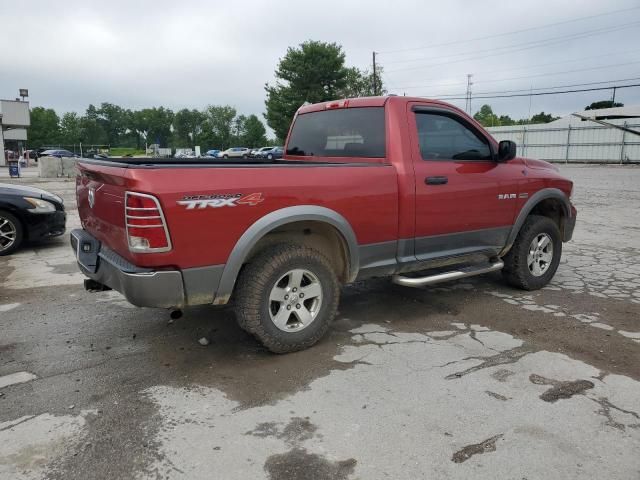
[287,297]
[11,233]
[534,258]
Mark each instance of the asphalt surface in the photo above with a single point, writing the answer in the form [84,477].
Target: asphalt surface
[471,379]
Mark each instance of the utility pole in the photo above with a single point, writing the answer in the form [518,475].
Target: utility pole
[467,105]
[375,80]
[613,97]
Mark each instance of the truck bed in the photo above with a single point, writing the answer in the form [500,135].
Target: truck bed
[213,162]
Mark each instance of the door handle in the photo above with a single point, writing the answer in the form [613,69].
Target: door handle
[436,180]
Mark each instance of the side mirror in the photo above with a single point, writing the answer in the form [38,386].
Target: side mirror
[506,151]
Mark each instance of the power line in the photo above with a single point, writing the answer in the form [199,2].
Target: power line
[525,46]
[550,74]
[525,67]
[544,93]
[513,32]
[531,89]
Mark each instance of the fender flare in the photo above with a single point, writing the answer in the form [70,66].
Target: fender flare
[273,220]
[534,200]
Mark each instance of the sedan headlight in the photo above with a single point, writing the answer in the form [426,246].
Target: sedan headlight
[40,206]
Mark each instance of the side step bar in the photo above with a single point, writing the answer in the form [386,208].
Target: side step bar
[447,276]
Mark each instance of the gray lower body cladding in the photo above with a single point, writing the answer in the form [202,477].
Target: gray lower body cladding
[144,287]
[422,253]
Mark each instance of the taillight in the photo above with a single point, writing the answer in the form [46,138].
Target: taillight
[146,226]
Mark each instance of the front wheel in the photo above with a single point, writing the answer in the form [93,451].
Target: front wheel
[270,157]
[534,258]
[287,297]
[11,233]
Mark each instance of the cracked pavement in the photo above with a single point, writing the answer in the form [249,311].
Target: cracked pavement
[471,379]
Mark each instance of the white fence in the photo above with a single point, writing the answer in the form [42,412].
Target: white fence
[574,144]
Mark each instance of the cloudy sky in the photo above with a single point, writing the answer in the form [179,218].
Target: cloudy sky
[192,53]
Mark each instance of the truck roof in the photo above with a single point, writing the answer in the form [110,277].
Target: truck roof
[364,102]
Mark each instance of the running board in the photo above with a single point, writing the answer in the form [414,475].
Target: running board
[447,276]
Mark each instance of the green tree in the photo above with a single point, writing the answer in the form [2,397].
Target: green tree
[543,118]
[359,83]
[114,121]
[153,125]
[92,131]
[313,72]
[603,104]
[45,127]
[71,129]
[254,132]
[504,120]
[187,127]
[486,117]
[219,125]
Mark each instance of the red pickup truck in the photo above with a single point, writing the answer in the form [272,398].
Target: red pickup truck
[391,186]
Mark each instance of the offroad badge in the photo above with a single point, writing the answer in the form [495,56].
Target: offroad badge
[216,200]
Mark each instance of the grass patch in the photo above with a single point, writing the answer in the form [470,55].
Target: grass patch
[121,151]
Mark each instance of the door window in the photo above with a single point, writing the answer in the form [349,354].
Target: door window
[443,137]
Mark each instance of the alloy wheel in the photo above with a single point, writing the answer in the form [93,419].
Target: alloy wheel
[295,300]
[540,254]
[8,234]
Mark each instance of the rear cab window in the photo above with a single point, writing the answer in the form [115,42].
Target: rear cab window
[346,132]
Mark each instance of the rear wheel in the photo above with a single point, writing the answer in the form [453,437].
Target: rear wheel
[225,156]
[287,297]
[270,157]
[534,258]
[245,156]
[11,233]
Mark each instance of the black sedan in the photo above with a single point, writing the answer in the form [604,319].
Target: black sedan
[28,213]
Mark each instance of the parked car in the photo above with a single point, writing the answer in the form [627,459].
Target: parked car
[212,153]
[235,152]
[273,153]
[28,213]
[258,153]
[58,153]
[184,155]
[439,200]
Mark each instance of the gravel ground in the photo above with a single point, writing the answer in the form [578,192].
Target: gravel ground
[470,379]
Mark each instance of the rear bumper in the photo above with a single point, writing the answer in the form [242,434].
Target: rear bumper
[144,287]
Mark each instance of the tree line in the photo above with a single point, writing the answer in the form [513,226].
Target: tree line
[487,118]
[217,126]
[312,72]
[309,73]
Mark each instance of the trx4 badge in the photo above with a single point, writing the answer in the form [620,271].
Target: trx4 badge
[192,202]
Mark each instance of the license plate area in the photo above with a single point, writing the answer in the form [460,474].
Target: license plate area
[86,248]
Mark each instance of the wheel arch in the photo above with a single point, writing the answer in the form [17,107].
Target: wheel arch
[275,226]
[548,202]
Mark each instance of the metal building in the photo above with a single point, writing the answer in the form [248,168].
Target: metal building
[571,139]
[14,120]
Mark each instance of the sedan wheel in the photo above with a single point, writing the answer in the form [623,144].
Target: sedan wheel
[10,233]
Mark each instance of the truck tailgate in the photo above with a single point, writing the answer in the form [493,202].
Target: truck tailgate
[100,192]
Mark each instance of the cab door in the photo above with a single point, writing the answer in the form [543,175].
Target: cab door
[465,201]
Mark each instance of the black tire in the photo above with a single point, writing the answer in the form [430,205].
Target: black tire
[19,235]
[516,269]
[254,288]
[245,156]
